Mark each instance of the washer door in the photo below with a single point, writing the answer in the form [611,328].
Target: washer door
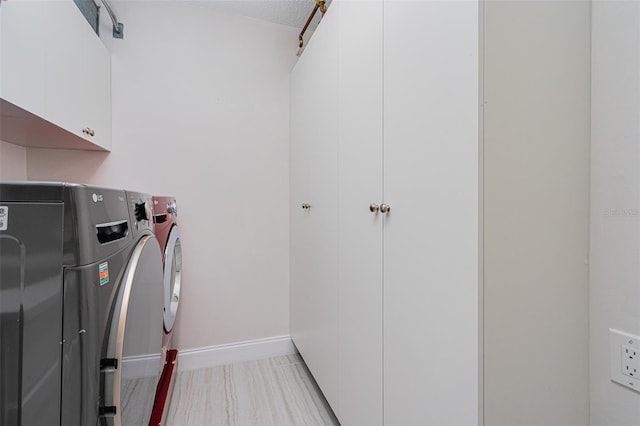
[132,368]
[172,278]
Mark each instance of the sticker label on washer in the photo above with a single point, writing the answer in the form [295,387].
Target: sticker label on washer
[104,273]
[4,218]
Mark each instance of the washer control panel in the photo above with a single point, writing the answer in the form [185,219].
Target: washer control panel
[141,210]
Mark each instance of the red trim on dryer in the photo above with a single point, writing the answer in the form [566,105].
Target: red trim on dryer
[165,215]
[164,389]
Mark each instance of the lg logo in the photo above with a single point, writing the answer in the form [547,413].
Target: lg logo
[97,197]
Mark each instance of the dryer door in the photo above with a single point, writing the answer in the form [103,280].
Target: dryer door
[172,278]
[132,367]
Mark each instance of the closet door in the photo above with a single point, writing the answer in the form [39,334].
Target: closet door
[314,230]
[431,232]
[360,236]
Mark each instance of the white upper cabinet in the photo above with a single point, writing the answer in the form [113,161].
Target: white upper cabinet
[22,54]
[55,77]
[78,80]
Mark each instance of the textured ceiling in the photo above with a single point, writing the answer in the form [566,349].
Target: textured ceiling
[293,13]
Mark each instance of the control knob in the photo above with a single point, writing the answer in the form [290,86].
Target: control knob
[172,207]
[140,211]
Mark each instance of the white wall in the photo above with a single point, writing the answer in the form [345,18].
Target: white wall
[536,212]
[615,202]
[13,162]
[201,111]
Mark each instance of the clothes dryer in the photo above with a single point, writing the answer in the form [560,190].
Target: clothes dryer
[166,229]
[81,303]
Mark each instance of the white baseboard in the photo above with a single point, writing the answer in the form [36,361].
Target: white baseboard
[140,366]
[193,359]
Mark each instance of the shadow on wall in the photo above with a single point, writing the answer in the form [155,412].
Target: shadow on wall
[67,165]
[13,161]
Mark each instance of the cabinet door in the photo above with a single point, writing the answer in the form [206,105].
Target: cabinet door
[97,88]
[314,245]
[431,232]
[360,236]
[78,80]
[22,54]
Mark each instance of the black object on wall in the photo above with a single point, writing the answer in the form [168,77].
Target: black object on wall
[91,12]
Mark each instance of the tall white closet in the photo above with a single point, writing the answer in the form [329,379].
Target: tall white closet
[314,211]
[384,304]
[431,234]
[360,184]
[428,139]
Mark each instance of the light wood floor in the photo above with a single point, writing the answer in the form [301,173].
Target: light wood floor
[275,391]
[138,397]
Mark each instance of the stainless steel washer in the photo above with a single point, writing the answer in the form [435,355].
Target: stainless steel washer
[81,305]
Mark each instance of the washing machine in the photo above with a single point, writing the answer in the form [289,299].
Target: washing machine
[81,305]
[165,218]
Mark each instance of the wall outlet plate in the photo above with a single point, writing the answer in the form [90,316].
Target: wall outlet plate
[624,359]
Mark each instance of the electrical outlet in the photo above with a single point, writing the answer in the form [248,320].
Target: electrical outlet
[624,359]
[630,361]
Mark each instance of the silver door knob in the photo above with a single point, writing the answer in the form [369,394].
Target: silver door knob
[374,208]
[385,208]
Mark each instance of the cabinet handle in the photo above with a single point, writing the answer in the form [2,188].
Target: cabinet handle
[306,206]
[374,208]
[88,131]
[385,208]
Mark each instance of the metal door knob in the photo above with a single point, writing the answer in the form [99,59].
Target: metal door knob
[374,208]
[306,206]
[385,208]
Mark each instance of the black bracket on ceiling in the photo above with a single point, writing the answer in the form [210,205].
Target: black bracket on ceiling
[118,27]
[118,31]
